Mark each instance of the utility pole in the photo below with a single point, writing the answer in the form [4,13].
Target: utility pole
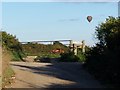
[75,49]
[71,45]
[83,46]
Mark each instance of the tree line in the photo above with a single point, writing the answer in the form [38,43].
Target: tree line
[38,49]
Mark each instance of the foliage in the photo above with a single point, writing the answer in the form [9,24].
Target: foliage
[81,56]
[108,33]
[6,80]
[47,56]
[103,59]
[12,44]
[40,49]
[7,71]
[51,55]
[69,57]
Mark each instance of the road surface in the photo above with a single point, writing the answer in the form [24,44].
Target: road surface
[52,75]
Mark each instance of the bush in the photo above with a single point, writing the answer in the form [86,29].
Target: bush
[69,57]
[12,44]
[103,59]
[81,56]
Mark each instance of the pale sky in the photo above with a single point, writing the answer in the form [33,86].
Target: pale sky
[59,0]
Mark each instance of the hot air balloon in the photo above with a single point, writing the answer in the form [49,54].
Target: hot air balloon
[89,18]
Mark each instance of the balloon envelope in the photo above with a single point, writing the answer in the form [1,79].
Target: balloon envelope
[89,18]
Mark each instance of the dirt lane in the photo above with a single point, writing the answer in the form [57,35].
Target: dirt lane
[52,75]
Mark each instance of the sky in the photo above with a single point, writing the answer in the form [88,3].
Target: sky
[59,0]
[119,8]
[31,21]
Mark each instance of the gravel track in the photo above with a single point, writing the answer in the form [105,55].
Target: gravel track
[52,75]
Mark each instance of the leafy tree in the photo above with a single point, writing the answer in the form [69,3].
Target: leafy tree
[103,59]
[12,44]
[108,33]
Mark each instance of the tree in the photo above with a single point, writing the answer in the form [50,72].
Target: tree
[103,59]
[108,33]
[12,44]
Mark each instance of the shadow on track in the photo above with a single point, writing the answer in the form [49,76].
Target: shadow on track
[64,71]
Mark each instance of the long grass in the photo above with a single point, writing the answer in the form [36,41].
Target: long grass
[6,79]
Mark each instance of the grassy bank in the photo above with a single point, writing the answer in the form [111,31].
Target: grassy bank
[6,80]
[7,71]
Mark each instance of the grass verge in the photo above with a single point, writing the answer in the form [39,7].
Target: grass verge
[6,79]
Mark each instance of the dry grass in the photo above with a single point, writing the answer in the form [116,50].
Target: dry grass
[7,72]
[0,66]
